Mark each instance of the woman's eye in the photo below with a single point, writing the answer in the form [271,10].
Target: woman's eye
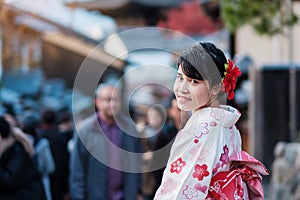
[194,81]
[179,77]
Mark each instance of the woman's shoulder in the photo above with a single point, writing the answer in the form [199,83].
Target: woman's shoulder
[224,115]
[202,115]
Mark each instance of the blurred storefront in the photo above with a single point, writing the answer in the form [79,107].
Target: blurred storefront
[42,51]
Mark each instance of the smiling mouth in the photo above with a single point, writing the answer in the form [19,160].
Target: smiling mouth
[182,98]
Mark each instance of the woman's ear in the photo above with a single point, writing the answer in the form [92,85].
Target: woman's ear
[216,89]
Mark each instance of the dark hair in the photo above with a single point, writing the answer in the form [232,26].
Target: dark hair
[49,117]
[5,128]
[64,116]
[30,124]
[203,61]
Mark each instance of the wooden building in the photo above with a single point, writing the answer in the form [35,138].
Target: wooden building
[30,41]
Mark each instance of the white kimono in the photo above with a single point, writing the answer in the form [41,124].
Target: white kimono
[201,149]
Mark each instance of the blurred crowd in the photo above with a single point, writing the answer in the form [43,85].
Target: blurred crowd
[43,140]
[42,157]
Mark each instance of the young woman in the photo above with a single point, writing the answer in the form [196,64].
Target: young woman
[206,160]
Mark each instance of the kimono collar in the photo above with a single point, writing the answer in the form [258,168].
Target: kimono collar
[232,115]
[227,115]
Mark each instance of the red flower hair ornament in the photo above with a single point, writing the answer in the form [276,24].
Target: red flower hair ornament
[229,81]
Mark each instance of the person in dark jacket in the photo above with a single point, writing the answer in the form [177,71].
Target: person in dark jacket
[59,150]
[99,170]
[19,177]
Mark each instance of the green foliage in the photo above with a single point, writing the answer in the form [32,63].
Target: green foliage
[266,16]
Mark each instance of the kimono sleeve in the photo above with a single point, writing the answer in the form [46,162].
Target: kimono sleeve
[189,169]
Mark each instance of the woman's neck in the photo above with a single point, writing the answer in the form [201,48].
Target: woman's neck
[214,104]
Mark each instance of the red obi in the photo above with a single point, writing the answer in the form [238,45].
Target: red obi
[243,181]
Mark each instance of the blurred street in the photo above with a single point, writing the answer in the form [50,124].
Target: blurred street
[54,53]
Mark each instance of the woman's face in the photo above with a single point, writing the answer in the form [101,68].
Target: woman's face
[190,93]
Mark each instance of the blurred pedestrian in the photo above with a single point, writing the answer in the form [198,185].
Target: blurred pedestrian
[90,178]
[59,149]
[66,129]
[43,155]
[65,124]
[206,160]
[19,135]
[19,177]
[156,118]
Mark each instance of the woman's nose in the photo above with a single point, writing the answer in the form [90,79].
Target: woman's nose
[183,87]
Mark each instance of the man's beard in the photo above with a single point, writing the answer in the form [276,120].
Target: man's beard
[110,115]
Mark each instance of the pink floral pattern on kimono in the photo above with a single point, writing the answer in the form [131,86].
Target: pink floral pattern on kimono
[224,155]
[201,188]
[177,166]
[201,151]
[190,192]
[200,172]
[167,187]
[217,114]
[223,159]
[203,130]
